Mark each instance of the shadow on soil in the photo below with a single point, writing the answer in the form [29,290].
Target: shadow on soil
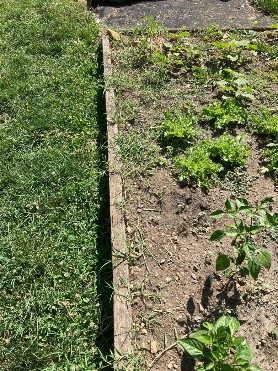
[104,270]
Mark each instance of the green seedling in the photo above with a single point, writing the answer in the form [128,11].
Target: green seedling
[232,50]
[265,123]
[271,156]
[207,159]
[248,222]
[224,113]
[179,127]
[212,32]
[217,348]
[182,54]
[235,85]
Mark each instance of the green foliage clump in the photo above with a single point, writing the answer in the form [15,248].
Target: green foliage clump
[248,221]
[229,149]
[265,123]
[271,156]
[207,159]
[217,348]
[197,166]
[179,126]
[268,6]
[224,113]
[233,51]
[234,84]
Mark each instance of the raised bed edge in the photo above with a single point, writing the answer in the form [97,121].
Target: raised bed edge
[121,289]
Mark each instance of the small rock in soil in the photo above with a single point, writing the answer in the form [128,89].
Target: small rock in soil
[154,346]
[170,365]
[193,276]
[168,279]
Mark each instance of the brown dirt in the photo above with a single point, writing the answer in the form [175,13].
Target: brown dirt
[172,262]
[178,264]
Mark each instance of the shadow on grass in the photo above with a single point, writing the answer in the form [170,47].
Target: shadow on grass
[104,268]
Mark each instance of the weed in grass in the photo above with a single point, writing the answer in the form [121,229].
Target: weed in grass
[139,154]
[200,74]
[265,123]
[248,221]
[204,162]
[224,113]
[216,347]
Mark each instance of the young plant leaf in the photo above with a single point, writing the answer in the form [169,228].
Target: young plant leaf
[243,353]
[217,235]
[254,268]
[223,262]
[265,259]
[192,346]
[228,205]
[253,368]
[202,336]
[266,201]
[228,322]
[218,214]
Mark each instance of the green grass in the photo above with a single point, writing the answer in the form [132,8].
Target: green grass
[268,6]
[49,186]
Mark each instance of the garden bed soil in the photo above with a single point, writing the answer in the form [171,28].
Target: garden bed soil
[174,287]
[184,14]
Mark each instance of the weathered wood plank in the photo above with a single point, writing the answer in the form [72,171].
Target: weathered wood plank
[121,304]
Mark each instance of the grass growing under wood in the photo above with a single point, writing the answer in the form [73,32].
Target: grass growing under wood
[49,186]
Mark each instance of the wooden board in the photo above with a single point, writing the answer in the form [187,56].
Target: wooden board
[121,300]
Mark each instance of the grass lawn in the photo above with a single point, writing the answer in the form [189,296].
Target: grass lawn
[49,182]
[268,6]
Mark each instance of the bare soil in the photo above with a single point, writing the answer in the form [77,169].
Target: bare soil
[174,282]
[172,261]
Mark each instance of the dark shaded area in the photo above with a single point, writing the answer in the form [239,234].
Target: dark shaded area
[190,306]
[207,292]
[189,14]
[105,338]
[187,363]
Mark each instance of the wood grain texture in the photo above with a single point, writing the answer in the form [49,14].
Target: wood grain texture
[121,304]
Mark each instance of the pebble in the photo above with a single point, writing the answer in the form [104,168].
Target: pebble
[193,276]
[154,347]
[170,365]
[168,279]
